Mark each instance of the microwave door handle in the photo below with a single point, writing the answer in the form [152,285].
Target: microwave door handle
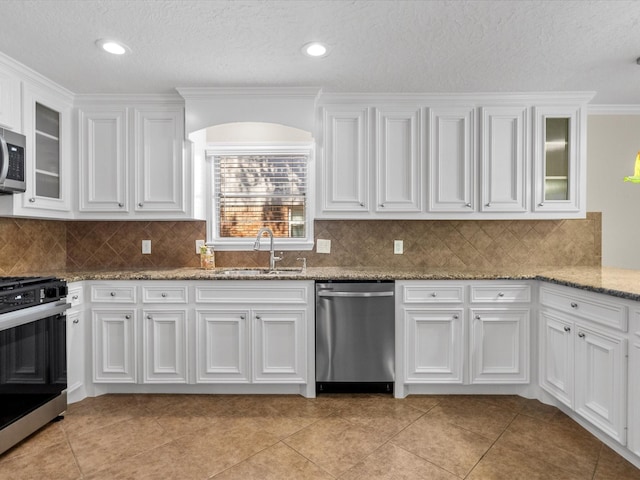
[4,161]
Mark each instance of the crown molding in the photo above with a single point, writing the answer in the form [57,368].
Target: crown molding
[128,99]
[613,110]
[265,92]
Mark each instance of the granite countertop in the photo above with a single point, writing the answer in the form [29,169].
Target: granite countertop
[611,281]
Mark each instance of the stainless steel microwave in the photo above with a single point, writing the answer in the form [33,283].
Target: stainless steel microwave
[12,149]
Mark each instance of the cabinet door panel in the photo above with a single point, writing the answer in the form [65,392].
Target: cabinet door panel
[76,361]
[159,161]
[114,346]
[433,342]
[634,396]
[499,346]
[10,101]
[601,380]
[165,346]
[504,159]
[398,160]
[345,166]
[104,178]
[451,159]
[279,346]
[222,346]
[556,357]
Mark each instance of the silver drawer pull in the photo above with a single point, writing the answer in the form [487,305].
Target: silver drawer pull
[75,297]
[258,317]
[574,305]
[478,317]
[567,329]
[242,317]
[501,294]
[163,295]
[581,334]
[76,321]
[113,294]
[149,317]
[467,205]
[434,294]
[456,317]
[128,317]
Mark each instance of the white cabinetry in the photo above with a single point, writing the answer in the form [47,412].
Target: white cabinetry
[398,159]
[114,345]
[499,333]
[583,355]
[76,344]
[253,331]
[164,345]
[344,169]
[634,384]
[10,108]
[504,159]
[132,163]
[451,159]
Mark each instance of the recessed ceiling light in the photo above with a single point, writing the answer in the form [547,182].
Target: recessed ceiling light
[112,46]
[316,49]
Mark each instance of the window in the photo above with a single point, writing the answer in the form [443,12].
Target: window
[257,187]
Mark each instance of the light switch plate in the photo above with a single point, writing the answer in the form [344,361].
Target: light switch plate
[199,243]
[323,246]
[398,247]
[146,247]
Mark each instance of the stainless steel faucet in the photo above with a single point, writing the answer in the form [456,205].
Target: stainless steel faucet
[272,257]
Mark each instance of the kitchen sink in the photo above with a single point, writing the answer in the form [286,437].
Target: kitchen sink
[260,272]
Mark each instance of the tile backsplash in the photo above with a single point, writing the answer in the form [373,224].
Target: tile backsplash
[32,245]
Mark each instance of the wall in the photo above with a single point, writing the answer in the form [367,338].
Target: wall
[612,144]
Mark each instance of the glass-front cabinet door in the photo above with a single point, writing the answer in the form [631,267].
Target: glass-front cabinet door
[48,130]
[557,150]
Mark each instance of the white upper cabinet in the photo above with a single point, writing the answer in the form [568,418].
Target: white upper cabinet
[558,152]
[344,169]
[132,163]
[504,159]
[159,162]
[103,166]
[398,160]
[451,159]
[10,112]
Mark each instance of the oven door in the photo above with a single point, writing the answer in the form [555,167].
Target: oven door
[33,366]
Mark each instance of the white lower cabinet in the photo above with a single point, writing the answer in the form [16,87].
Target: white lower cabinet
[114,345]
[222,346]
[633,441]
[434,345]
[499,345]
[582,364]
[164,345]
[279,353]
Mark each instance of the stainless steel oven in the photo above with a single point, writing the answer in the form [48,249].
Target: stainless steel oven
[33,365]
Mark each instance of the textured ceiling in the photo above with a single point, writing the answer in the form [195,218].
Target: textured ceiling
[376,46]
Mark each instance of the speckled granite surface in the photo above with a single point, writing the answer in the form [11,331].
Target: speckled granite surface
[612,281]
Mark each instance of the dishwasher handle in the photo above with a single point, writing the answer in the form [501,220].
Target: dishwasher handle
[355,294]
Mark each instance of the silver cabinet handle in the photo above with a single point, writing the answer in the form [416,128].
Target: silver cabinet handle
[478,317]
[32,200]
[574,305]
[258,317]
[140,204]
[242,317]
[75,297]
[581,334]
[382,205]
[434,294]
[456,317]
[163,295]
[541,204]
[467,205]
[128,317]
[362,204]
[501,294]
[487,204]
[76,320]
[113,294]
[149,317]
[567,329]
[121,204]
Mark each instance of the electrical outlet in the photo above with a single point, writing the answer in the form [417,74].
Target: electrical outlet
[398,247]
[199,243]
[146,247]
[323,246]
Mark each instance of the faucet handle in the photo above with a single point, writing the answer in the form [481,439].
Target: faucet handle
[304,263]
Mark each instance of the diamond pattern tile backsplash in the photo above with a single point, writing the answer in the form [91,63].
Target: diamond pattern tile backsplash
[37,245]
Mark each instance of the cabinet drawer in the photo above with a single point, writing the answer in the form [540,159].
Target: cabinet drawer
[266,292]
[436,293]
[75,296]
[596,308]
[168,294]
[500,293]
[113,294]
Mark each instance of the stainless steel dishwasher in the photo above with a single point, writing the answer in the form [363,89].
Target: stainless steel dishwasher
[355,337]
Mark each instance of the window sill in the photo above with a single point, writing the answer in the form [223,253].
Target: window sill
[246,244]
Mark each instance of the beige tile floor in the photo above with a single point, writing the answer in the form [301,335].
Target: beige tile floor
[334,436]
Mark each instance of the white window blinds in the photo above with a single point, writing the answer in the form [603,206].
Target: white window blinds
[255,191]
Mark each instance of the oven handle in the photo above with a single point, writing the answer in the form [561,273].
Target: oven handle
[356,294]
[4,164]
[32,314]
